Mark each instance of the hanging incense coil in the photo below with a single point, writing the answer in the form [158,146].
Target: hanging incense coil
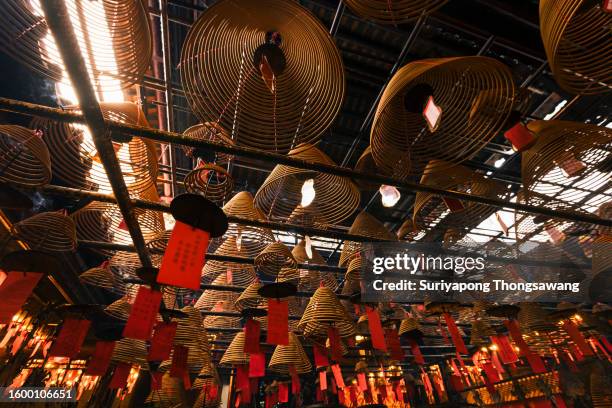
[291,100]
[393,12]
[367,226]
[481,332]
[250,298]
[210,181]
[48,231]
[74,157]
[401,142]
[212,132]
[114,38]
[310,279]
[197,358]
[366,164]
[132,352]
[336,198]
[24,157]
[290,275]
[169,394]
[208,376]
[210,297]
[601,386]
[291,355]
[222,322]
[576,36]
[566,152]
[119,309]
[324,310]
[274,258]
[410,327]
[205,401]
[239,274]
[353,271]
[234,354]
[189,329]
[102,277]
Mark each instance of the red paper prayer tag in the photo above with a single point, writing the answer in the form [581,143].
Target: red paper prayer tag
[361,381]
[252,329]
[454,332]
[278,313]
[242,379]
[535,362]
[490,372]
[334,343]
[517,336]
[607,6]
[338,375]
[101,358]
[577,337]
[505,349]
[142,316]
[283,392]
[179,361]
[295,381]
[71,337]
[14,291]
[393,343]
[257,365]
[376,330]
[432,114]
[520,137]
[322,380]
[161,343]
[120,376]
[184,257]
[416,352]
[453,204]
[320,356]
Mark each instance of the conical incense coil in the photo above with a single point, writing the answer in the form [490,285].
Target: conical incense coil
[532,317]
[102,277]
[132,352]
[292,99]
[24,157]
[353,271]
[393,12]
[365,164]
[250,298]
[410,326]
[367,226]
[197,358]
[48,231]
[223,322]
[310,279]
[336,198]
[239,274]
[212,132]
[576,38]
[210,297]
[324,311]
[114,38]
[205,401]
[234,354]
[74,157]
[189,330]
[169,394]
[291,355]
[401,141]
[273,258]
[208,376]
[481,332]
[210,181]
[119,309]
[290,275]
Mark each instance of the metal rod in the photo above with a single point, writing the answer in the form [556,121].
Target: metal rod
[58,20]
[337,17]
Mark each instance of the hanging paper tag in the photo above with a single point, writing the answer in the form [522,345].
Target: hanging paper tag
[607,6]
[295,381]
[283,392]
[393,343]
[361,381]
[142,316]
[535,362]
[454,332]
[322,380]
[252,330]
[71,337]
[577,337]
[520,137]
[517,336]
[238,399]
[490,372]
[505,349]
[184,257]
[179,361]
[432,114]
[338,375]
[120,376]
[257,365]
[569,165]
[243,384]
[278,315]
[14,291]
[100,361]
[320,356]
[376,330]
[416,352]
[161,343]
[334,343]
[456,383]
[353,394]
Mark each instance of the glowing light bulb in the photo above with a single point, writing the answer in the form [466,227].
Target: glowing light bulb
[308,193]
[239,241]
[308,246]
[389,195]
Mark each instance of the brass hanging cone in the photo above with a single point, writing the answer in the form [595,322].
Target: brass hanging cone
[48,231]
[273,258]
[367,226]
[324,310]
[210,297]
[131,351]
[213,132]
[119,309]
[25,158]
[336,198]
[481,330]
[310,279]
[169,394]
[410,327]
[250,298]
[102,277]
[395,13]
[234,354]
[211,181]
[241,274]
[292,354]
[601,388]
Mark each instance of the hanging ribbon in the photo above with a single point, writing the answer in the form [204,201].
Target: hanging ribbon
[517,336]
[283,392]
[322,380]
[295,381]
[243,383]
[376,330]
[143,314]
[278,316]
[454,332]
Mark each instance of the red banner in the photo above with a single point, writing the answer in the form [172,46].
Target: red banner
[278,318]
[101,358]
[393,343]
[376,330]
[454,332]
[161,343]
[143,314]
[71,337]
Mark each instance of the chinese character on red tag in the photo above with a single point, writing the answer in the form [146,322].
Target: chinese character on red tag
[278,312]
[142,316]
[70,338]
[432,114]
[161,343]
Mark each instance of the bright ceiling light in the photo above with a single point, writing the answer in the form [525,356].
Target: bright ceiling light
[308,193]
[389,195]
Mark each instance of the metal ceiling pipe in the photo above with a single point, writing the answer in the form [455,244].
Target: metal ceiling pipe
[58,21]
[177,138]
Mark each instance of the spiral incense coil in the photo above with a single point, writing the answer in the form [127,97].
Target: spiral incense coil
[210,181]
[576,36]
[276,78]
[131,351]
[210,297]
[224,322]
[189,329]
[367,226]
[291,355]
[169,394]
[366,164]
[291,275]
[393,12]
[324,310]
[568,153]
[410,327]
[446,213]
[48,231]
[212,132]
[207,377]
[240,274]
[336,198]
[119,309]
[197,358]
[532,317]
[273,258]
[481,332]
[402,143]
[75,159]
[114,38]
[310,279]
[250,298]
[24,157]
[353,271]
[102,277]
[234,354]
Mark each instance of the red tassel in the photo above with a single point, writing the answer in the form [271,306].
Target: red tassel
[283,392]
[71,337]
[506,352]
[120,376]
[143,314]
[184,257]
[454,332]
[393,343]
[179,361]
[334,343]
[320,356]
[252,330]
[14,291]
[161,343]
[278,315]
[416,352]
[338,375]
[577,337]
[319,394]
[361,381]
[376,330]
[100,361]
[257,365]
[520,137]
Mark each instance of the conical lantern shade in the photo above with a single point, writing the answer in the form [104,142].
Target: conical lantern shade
[291,355]
[324,311]
[235,355]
